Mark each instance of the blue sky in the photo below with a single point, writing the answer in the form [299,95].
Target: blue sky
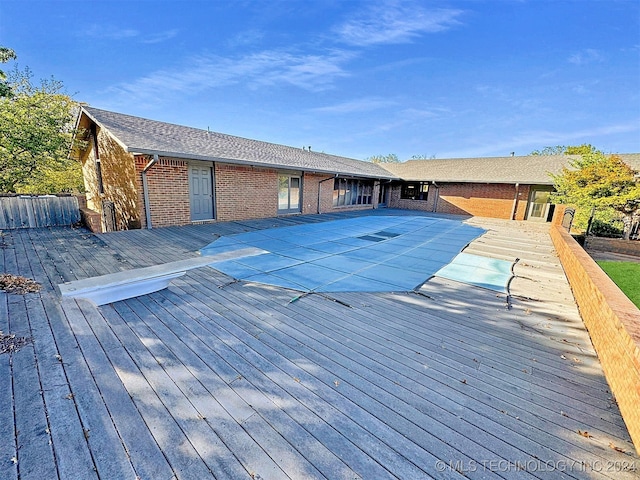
[352,78]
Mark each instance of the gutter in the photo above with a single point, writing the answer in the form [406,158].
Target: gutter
[145,190]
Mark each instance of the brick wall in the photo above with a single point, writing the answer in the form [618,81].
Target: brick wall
[310,185]
[118,179]
[244,192]
[91,219]
[492,200]
[613,322]
[423,205]
[241,192]
[168,182]
[478,199]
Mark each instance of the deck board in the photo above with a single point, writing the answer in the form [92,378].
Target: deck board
[110,458]
[212,378]
[226,411]
[506,369]
[298,466]
[400,375]
[35,453]
[383,398]
[197,443]
[8,450]
[170,438]
[136,441]
[254,372]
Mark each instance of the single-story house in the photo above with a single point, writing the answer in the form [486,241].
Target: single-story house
[141,173]
[515,188]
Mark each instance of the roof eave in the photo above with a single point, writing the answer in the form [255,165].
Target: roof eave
[234,161]
[102,127]
[461,180]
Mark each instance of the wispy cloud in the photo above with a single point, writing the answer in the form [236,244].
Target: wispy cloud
[588,55]
[247,37]
[110,32]
[395,22]
[580,89]
[359,105]
[530,140]
[268,68]
[160,37]
[307,71]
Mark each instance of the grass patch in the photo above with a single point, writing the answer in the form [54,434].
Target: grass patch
[626,275]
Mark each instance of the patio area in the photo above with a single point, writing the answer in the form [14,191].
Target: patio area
[217,377]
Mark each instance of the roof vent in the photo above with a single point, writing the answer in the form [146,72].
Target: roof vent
[513,154]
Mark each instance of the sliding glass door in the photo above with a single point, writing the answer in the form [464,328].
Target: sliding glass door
[289,193]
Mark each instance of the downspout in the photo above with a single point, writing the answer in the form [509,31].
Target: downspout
[320,182]
[515,202]
[436,196]
[145,190]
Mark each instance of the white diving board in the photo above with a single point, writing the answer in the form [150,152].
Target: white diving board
[118,286]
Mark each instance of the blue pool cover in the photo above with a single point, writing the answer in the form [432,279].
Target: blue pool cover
[370,254]
[490,273]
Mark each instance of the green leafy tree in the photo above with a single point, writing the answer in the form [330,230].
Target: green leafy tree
[6,54]
[584,149]
[391,158]
[600,181]
[36,133]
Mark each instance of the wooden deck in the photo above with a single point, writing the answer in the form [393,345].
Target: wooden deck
[219,379]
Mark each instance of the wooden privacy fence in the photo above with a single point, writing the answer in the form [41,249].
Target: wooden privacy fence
[38,211]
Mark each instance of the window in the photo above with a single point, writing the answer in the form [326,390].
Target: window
[414,190]
[352,192]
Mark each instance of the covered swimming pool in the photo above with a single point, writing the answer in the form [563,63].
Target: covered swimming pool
[365,254]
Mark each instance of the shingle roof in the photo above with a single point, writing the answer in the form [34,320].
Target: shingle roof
[533,169]
[140,135]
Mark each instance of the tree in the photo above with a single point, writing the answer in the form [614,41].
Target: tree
[583,149]
[36,132]
[423,157]
[6,54]
[600,181]
[391,158]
